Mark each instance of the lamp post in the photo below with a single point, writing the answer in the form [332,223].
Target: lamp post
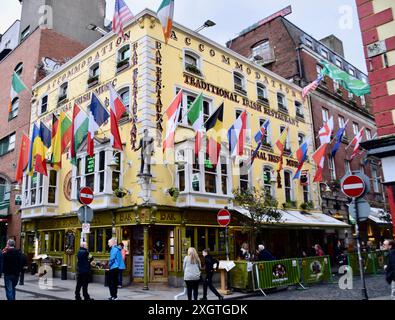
[207,24]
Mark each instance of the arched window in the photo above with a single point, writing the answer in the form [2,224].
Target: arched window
[261,92]
[123,59]
[19,69]
[282,102]
[63,92]
[239,83]
[192,63]
[14,109]
[124,94]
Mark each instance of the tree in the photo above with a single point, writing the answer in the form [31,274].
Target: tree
[261,207]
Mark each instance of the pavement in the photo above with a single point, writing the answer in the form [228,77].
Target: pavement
[64,290]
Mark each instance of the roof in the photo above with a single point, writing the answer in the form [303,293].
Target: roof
[379,216]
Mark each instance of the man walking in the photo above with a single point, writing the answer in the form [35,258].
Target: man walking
[83,269]
[209,262]
[390,267]
[11,269]
[115,263]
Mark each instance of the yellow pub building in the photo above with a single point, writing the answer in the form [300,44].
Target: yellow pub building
[159,217]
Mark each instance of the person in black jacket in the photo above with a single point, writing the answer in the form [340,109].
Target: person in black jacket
[209,263]
[83,272]
[11,268]
[264,254]
[390,267]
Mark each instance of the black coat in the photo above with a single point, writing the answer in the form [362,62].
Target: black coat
[83,264]
[390,270]
[209,262]
[12,262]
[1,262]
[265,255]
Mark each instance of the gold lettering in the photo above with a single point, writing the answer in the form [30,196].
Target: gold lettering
[225,59]
[239,66]
[201,47]
[212,53]
[188,41]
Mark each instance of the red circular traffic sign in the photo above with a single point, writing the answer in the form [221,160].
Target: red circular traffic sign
[86,196]
[353,186]
[223,217]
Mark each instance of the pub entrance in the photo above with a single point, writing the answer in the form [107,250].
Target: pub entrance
[158,254]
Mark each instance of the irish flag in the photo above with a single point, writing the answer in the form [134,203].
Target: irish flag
[17,86]
[195,117]
[79,131]
[165,15]
[173,113]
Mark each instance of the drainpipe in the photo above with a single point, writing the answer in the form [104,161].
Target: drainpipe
[300,65]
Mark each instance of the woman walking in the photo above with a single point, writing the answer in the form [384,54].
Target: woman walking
[192,267]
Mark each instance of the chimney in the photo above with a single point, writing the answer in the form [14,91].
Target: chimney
[334,43]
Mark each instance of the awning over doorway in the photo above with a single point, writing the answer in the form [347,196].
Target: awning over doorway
[379,216]
[304,219]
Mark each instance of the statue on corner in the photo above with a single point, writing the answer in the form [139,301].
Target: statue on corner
[147,149]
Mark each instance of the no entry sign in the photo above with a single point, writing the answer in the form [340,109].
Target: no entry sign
[86,196]
[223,217]
[353,186]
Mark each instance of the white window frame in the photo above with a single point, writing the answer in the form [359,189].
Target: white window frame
[355,128]
[325,115]
[42,191]
[184,106]
[332,167]
[291,187]
[121,91]
[347,166]
[301,108]
[375,179]
[197,57]
[339,63]
[303,139]
[121,51]
[368,134]
[63,90]
[285,104]
[241,77]
[363,100]
[262,87]
[14,108]
[325,53]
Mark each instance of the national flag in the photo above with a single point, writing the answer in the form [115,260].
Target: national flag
[237,135]
[262,131]
[33,144]
[122,15]
[23,159]
[165,15]
[117,109]
[312,86]
[98,115]
[214,126]
[37,161]
[17,86]
[325,132]
[301,155]
[195,117]
[319,159]
[46,136]
[79,131]
[173,113]
[281,143]
[339,136]
[61,136]
[349,82]
[356,142]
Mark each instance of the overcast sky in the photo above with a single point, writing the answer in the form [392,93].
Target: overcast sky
[318,18]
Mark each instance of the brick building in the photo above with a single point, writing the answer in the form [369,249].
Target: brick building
[284,48]
[377,22]
[31,55]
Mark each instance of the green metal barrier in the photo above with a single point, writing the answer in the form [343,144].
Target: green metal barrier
[379,257]
[315,269]
[272,274]
[369,262]
[240,278]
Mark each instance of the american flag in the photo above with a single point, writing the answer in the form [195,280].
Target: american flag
[122,15]
[312,86]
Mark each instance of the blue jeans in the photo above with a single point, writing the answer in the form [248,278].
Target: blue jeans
[10,282]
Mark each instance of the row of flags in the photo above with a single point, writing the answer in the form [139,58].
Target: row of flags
[122,15]
[65,132]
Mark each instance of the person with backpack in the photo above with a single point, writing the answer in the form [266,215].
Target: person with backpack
[210,264]
[12,265]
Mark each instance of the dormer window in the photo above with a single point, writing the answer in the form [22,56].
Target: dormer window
[123,60]
[192,63]
[63,92]
[94,73]
[239,83]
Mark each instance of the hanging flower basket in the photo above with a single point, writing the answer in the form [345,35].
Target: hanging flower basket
[120,193]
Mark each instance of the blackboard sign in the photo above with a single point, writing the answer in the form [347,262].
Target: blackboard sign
[90,165]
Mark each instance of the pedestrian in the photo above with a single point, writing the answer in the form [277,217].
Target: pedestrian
[244,253]
[11,269]
[115,263]
[23,269]
[123,252]
[318,251]
[390,267]
[83,272]
[192,268]
[264,254]
[209,263]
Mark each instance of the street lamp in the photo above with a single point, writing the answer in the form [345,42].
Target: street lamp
[94,27]
[207,24]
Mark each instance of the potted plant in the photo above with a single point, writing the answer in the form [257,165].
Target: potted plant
[120,192]
[174,193]
[193,69]
[303,206]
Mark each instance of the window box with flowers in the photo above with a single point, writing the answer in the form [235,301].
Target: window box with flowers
[193,69]
[240,90]
[120,192]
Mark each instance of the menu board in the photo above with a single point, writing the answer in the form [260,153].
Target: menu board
[138,266]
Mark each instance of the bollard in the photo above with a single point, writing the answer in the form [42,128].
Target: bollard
[33,268]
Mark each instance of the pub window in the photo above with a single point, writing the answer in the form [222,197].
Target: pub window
[266,137]
[44,105]
[201,239]
[281,101]
[288,186]
[267,181]
[19,68]
[261,92]
[98,239]
[239,83]
[221,240]
[123,58]
[192,63]
[190,234]
[224,175]
[13,112]
[210,177]
[40,190]
[244,179]
[116,172]
[299,109]
[63,92]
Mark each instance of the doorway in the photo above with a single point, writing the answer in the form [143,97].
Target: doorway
[158,254]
